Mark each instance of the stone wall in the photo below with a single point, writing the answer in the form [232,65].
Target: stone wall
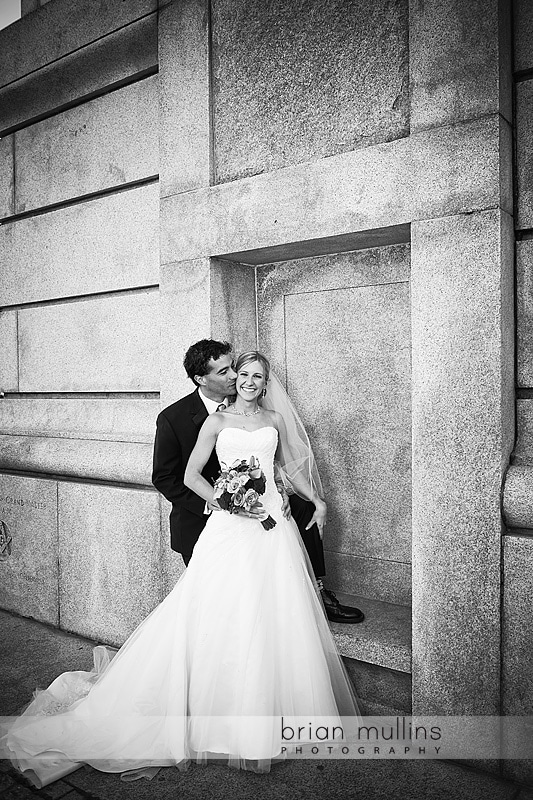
[517,694]
[80,317]
[335,184]
[337,328]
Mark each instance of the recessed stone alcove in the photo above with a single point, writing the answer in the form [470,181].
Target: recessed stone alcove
[336,327]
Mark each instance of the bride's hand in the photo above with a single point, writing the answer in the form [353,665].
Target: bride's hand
[257,511]
[285,504]
[319,517]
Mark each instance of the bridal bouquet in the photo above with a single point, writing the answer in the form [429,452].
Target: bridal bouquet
[239,486]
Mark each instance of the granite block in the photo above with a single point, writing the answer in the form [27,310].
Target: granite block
[517,688]
[523,35]
[117,419]
[330,78]
[507,167]
[109,578]
[361,429]
[524,312]
[103,344]
[9,376]
[101,144]
[233,304]
[518,496]
[451,170]
[463,432]
[368,267]
[389,687]
[325,245]
[459,65]
[376,684]
[294,84]
[106,244]
[383,638]
[356,410]
[61,28]
[110,62]
[127,462]
[375,578]
[524,160]
[523,452]
[517,625]
[508,339]
[7,163]
[172,566]
[199,299]
[185,318]
[184,82]
[29,547]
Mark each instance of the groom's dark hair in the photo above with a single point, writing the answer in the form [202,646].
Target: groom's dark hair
[200,354]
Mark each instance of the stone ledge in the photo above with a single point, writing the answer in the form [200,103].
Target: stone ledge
[523,32]
[7,176]
[117,462]
[523,452]
[384,638]
[103,144]
[361,240]
[460,61]
[9,377]
[61,28]
[518,496]
[103,237]
[115,420]
[120,58]
[445,171]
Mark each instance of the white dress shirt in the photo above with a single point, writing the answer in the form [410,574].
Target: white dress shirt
[211,405]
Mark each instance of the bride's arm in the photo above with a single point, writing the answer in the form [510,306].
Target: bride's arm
[193,477]
[199,457]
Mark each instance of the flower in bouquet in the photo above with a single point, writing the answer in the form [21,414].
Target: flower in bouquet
[239,487]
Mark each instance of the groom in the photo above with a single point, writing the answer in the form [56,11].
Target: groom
[209,364]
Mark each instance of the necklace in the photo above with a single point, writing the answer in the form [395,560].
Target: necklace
[246,413]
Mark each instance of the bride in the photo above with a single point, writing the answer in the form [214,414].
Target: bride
[241,642]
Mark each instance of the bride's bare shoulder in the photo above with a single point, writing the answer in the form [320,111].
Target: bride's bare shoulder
[274,418]
[213,424]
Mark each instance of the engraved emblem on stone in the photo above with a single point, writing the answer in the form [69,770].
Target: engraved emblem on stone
[5,541]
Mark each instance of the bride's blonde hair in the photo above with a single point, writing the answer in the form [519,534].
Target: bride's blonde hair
[249,357]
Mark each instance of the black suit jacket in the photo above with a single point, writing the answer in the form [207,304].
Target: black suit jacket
[176,434]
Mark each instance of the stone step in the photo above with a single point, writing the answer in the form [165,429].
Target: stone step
[383,638]
[377,654]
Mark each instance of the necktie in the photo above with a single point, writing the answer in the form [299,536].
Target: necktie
[222,407]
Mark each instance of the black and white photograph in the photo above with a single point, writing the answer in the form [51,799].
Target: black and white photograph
[266,399]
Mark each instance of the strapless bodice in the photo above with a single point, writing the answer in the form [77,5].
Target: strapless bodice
[238,443]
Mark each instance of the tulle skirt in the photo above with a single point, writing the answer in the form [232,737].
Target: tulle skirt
[240,643]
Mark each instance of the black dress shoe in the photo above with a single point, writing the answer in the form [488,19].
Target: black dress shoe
[338,613]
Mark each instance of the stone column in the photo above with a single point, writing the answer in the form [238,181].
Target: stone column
[185,164]
[462,326]
[463,381]
[197,295]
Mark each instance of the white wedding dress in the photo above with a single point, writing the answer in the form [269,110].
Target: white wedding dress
[240,641]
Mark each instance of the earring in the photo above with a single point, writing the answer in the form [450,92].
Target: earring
[263,393]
